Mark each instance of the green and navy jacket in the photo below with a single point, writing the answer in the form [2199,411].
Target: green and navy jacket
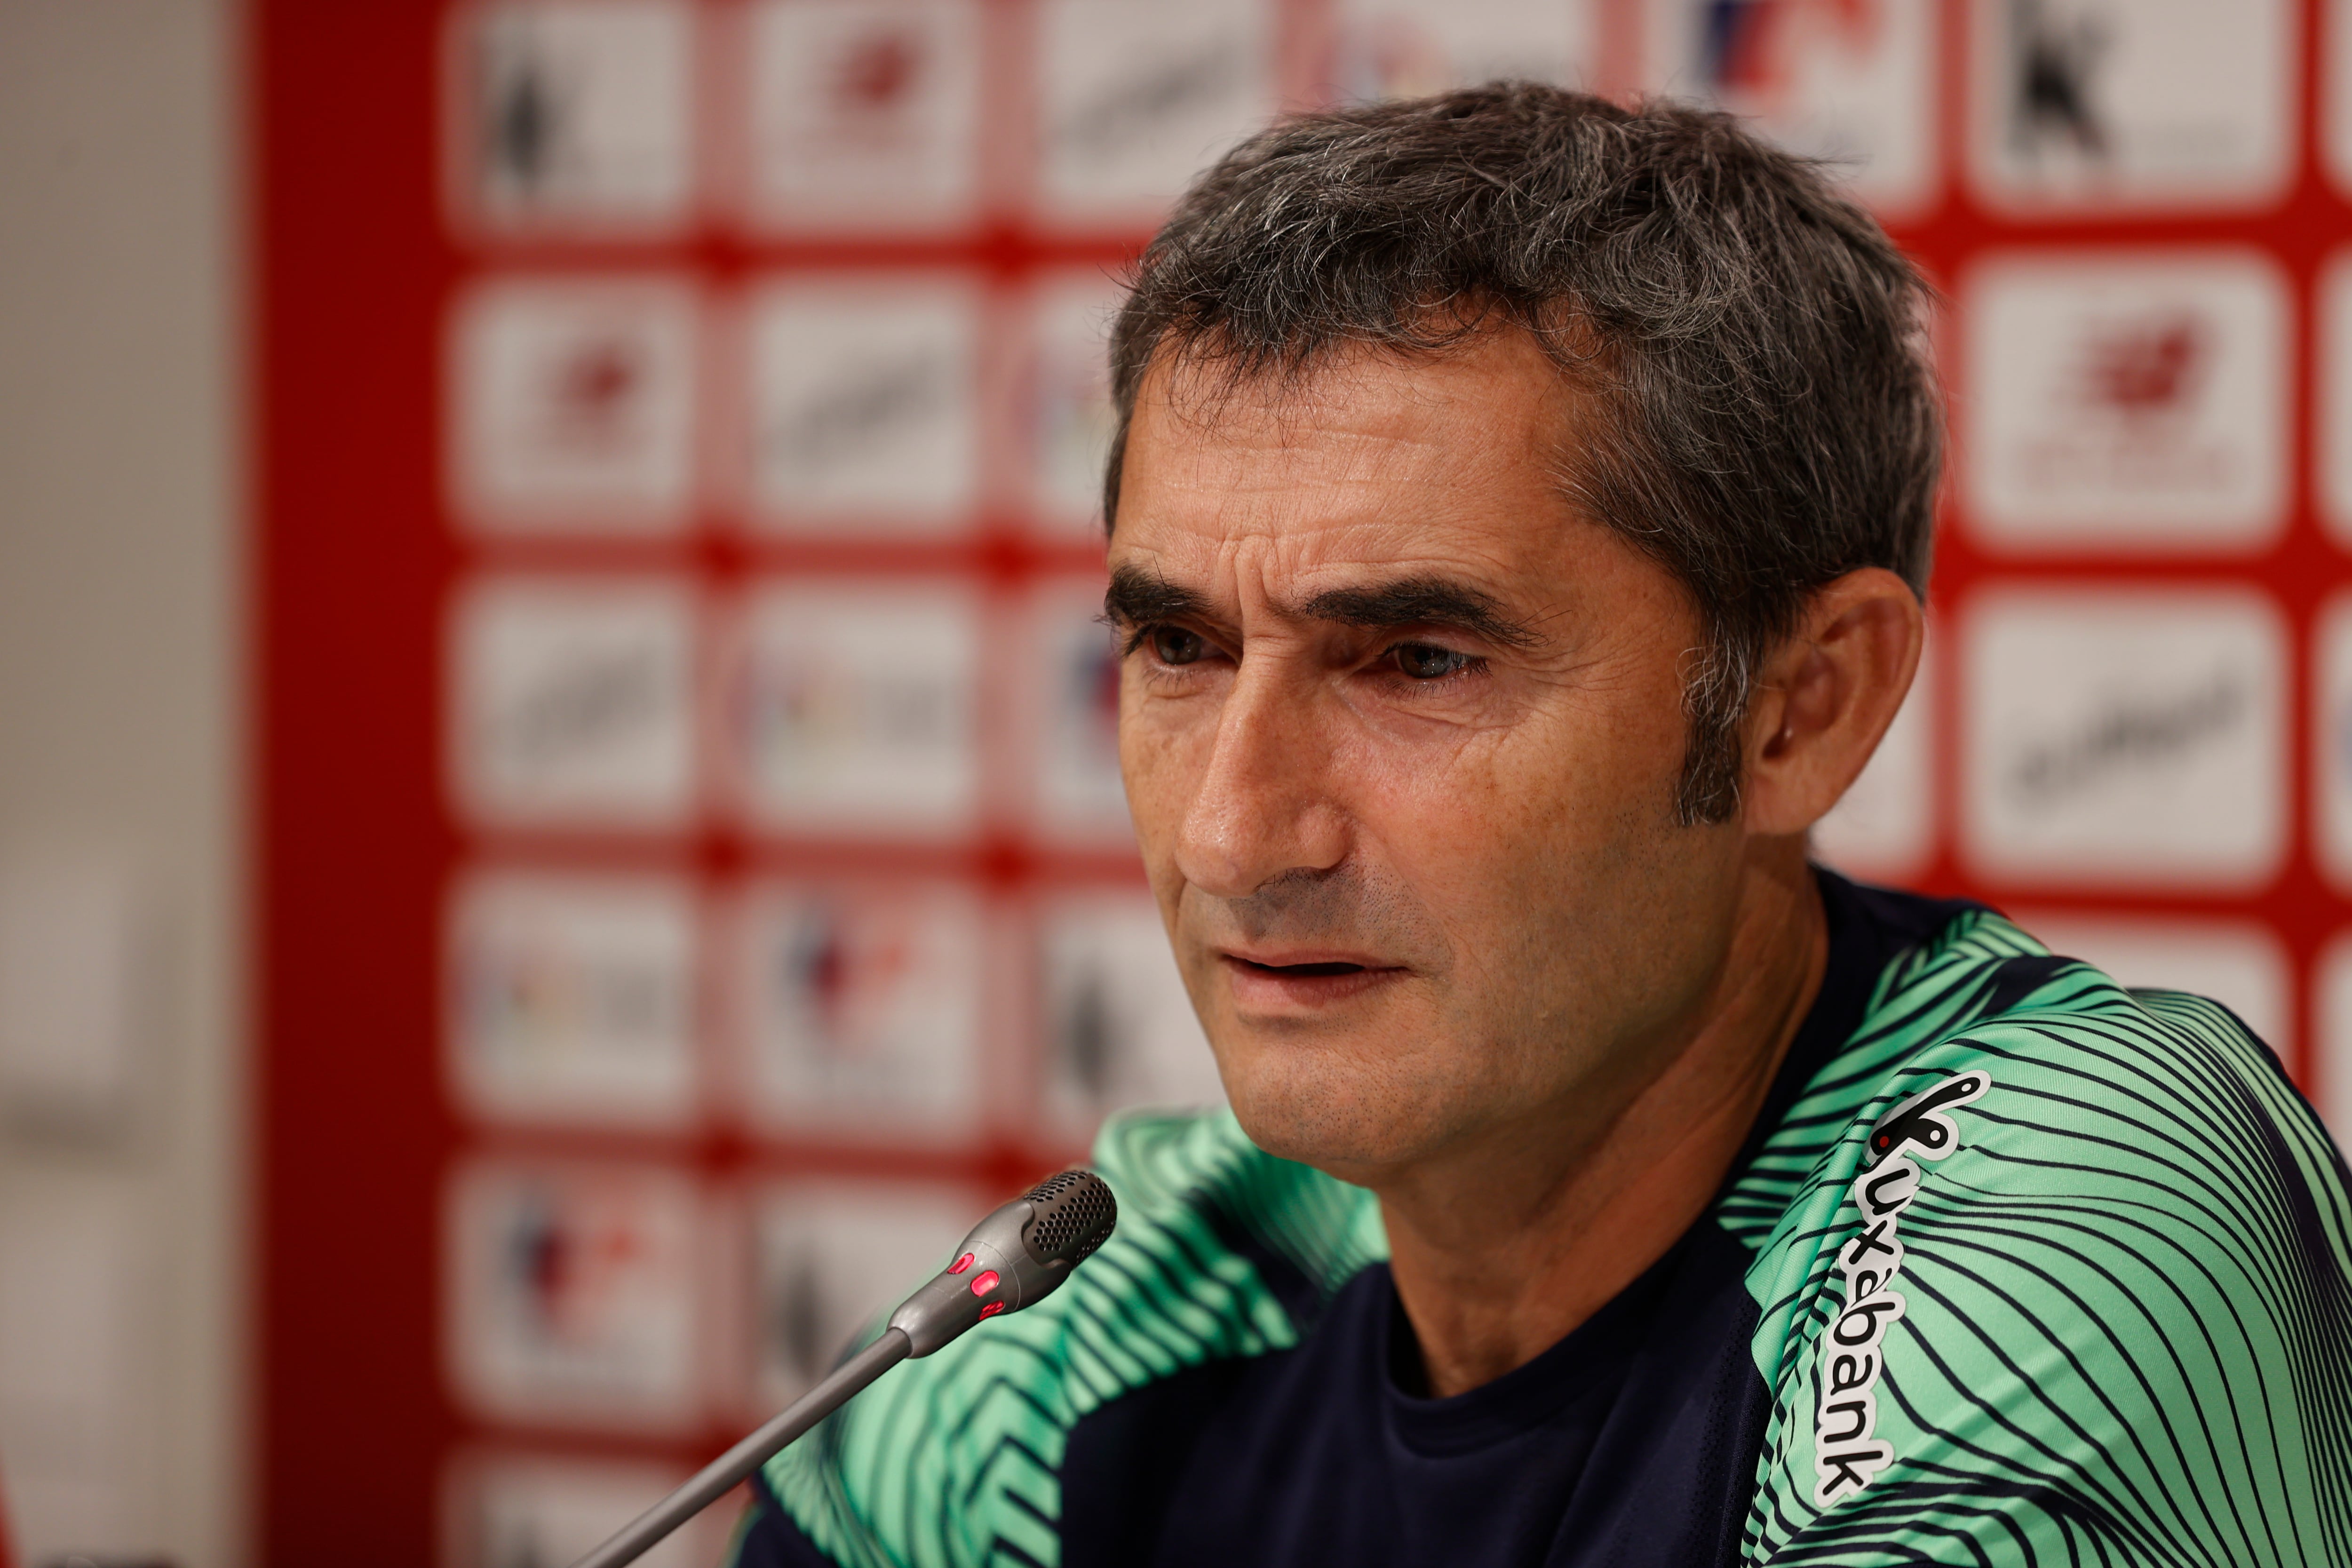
[2018,1266]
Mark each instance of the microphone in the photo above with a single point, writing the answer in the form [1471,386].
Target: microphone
[1015,1257]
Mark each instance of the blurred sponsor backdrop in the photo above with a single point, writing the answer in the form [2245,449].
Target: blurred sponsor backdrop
[691,873]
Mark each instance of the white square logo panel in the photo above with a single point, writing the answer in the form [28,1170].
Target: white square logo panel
[1078,796]
[852,707]
[2239,964]
[828,1258]
[2135,104]
[2336,92]
[865,114]
[2333,343]
[2127,401]
[1883,828]
[1066,401]
[1134,96]
[2123,738]
[1119,1030]
[575,1293]
[1854,83]
[574,406]
[571,998]
[859,1007]
[576,117]
[2331,741]
[1409,48]
[572,702]
[864,405]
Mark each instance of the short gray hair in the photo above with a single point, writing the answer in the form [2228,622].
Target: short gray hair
[1766,417]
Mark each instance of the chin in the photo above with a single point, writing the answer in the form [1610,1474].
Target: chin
[1338,1117]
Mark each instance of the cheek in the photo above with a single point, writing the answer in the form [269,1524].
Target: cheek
[1573,781]
[1163,748]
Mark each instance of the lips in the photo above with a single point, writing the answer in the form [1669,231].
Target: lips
[1296,982]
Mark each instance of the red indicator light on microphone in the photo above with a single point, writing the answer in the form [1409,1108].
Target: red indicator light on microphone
[984,1283]
[961,1264]
[991,1309]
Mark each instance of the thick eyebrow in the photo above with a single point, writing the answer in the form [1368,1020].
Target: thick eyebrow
[1139,599]
[1422,601]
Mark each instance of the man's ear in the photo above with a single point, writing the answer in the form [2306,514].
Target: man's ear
[1825,696]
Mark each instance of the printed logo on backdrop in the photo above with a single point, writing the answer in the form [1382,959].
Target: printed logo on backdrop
[1138,96]
[861,1008]
[865,114]
[2127,401]
[575,1293]
[571,703]
[852,708]
[2123,738]
[576,117]
[1409,48]
[574,406]
[571,997]
[1069,403]
[2141,103]
[1121,1030]
[865,407]
[826,1256]
[1853,81]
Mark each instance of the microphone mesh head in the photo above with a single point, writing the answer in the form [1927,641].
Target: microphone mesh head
[1074,1215]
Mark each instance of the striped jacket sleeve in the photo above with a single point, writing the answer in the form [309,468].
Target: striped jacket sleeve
[2074,1287]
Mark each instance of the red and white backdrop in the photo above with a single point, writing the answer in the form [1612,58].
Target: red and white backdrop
[695,878]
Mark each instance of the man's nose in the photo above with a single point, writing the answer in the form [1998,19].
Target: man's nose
[1264,804]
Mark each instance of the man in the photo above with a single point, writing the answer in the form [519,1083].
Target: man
[1519,525]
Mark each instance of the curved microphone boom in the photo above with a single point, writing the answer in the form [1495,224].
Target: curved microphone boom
[1014,1258]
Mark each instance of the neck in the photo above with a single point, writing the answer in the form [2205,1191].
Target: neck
[1500,1250]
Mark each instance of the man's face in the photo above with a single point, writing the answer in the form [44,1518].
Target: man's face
[1400,734]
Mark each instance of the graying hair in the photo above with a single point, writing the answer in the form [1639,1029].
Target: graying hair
[1749,342]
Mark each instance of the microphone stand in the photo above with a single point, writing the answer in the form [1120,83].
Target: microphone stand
[1017,1255]
[714,1479]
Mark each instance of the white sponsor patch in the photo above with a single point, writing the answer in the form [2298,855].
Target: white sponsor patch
[864,115]
[2135,104]
[1848,1455]
[864,417]
[1406,49]
[574,117]
[1118,1029]
[2123,738]
[1854,83]
[1136,97]
[2128,400]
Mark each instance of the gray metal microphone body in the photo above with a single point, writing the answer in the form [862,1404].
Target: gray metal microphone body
[1015,1257]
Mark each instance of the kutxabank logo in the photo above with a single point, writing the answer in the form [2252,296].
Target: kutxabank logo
[1847,1453]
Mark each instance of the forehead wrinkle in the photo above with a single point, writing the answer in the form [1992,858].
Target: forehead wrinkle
[1359,409]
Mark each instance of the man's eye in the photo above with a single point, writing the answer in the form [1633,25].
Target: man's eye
[1427,661]
[1175,644]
